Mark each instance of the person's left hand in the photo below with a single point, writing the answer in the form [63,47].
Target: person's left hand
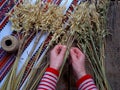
[57,56]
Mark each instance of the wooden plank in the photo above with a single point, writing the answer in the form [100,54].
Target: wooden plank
[113,46]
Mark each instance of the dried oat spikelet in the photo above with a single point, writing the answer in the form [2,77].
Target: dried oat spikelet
[80,18]
[47,17]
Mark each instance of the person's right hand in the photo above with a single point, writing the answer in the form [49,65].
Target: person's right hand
[78,62]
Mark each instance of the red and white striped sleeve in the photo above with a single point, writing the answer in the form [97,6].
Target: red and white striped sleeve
[49,80]
[86,83]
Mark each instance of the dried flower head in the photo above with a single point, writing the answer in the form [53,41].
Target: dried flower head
[37,16]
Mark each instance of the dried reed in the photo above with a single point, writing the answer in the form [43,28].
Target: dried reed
[86,25]
[27,17]
[89,22]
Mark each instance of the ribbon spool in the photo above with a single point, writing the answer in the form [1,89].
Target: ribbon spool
[10,44]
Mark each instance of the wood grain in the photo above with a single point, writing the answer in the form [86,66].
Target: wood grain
[113,46]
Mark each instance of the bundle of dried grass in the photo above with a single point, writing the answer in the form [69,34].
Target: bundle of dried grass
[27,19]
[89,21]
[38,16]
[86,25]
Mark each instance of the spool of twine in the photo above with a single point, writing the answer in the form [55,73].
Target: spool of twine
[10,44]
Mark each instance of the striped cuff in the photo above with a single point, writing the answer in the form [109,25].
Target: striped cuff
[82,79]
[52,70]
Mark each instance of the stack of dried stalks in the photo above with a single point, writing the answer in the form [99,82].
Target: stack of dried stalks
[38,18]
[87,25]
[89,21]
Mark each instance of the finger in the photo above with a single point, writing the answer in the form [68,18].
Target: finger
[57,49]
[63,50]
[77,51]
[72,53]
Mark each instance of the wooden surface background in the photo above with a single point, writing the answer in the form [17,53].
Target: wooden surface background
[113,46]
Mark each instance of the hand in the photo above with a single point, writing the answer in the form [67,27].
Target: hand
[78,62]
[57,56]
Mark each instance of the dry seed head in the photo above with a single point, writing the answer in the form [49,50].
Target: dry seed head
[80,17]
[85,17]
[46,17]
